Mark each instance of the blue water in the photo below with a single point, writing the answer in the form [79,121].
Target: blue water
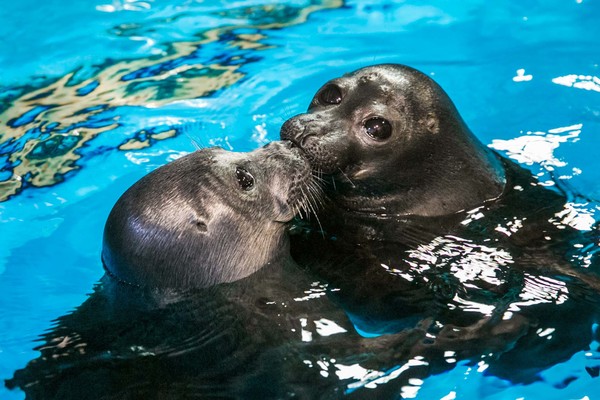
[95,94]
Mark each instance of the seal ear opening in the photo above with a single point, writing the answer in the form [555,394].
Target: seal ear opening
[201,226]
[431,123]
[200,222]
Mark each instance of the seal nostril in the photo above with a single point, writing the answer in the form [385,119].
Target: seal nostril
[293,129]
[201,226]
[303,141]
[286,130]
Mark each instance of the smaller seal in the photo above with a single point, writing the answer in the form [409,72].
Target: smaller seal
[209,217]
[394,144]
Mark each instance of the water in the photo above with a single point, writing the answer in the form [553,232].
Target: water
[97,94]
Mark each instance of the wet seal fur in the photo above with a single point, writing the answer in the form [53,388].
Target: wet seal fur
[207,218]
[395,144]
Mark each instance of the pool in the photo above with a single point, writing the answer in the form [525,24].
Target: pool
[97,94]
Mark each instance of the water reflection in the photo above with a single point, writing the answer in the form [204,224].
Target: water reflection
[92,99]
[586,82]
[127,5]
[226,341]
[538,147]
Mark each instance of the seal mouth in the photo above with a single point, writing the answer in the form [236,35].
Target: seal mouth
[297,150]
[294,145]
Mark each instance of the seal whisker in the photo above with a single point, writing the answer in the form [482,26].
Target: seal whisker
[318,177]
[320,173]
[306,201]
[318,188]
[314,190]
[190,129]
[308,194]
[312,195]
[195,144]
[346,176]
[303,199]
[318,221]
[311,208]
[312,200]
[302,205]
[298,210]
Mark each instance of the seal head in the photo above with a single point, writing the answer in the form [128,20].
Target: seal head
[393,142]
[209,217]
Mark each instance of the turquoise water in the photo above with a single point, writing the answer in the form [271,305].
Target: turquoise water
[96,94]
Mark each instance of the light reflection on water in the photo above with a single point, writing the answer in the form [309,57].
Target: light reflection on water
[586,82]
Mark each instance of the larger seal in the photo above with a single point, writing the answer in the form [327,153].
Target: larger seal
[394,143]
[209,217]
[427,222]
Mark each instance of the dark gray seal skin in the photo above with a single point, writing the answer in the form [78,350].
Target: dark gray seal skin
[209,217]
[394,143]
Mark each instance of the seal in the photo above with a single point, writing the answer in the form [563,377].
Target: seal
[394,143]
[209,217]
[427,223]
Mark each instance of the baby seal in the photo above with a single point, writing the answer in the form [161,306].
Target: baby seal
[209,217]
[395,144]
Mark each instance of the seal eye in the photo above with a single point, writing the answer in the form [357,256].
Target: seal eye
[331,94]
[378,128]
[244,178]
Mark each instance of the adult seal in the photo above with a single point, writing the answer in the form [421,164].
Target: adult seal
[209,217]
[425,222]
[394,144]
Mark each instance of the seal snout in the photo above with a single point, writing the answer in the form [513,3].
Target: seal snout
[300,128]
[304,131]
[292,131]
[293,146]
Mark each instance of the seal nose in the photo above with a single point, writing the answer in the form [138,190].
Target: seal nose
[287,130]
[292,130]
